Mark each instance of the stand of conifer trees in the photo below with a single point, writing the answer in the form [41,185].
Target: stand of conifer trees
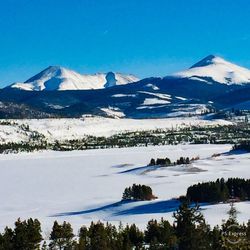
[220,190]
[188,232]
[138,192]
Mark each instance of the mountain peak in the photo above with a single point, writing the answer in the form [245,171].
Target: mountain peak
[215,69]
[205,61]
[49,71]
[59,78]
[53,68]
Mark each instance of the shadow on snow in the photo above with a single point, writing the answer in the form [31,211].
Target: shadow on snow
[151,208]
[117,208]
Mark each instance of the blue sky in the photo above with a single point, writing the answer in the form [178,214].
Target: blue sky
[144,37]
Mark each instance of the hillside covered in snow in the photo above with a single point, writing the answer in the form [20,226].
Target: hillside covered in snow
[72,129]
[212,84]
[217,69]
[59,78]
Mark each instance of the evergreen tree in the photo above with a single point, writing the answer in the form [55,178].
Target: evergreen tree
[160,235]
[83,238]
[152,234]
[34,233]
[112,236]
[191,230]
[27,234]
[134,236]
[216,238]
[152,162]
[98,237]
[7,239]
[248,232]
[61,236]
[233,234]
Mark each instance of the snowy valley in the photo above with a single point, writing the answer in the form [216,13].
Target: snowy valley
[83,139]
[85,186]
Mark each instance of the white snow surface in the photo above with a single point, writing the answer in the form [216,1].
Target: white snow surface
[152,86]
[218,69]
[191,109]
[81,186]
[113,112]
[59,78]
[181,98]
[159,95]
[152,101]
[124,95]
[70,128]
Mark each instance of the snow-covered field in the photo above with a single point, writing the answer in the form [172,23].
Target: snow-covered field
[81,186]
[61,129]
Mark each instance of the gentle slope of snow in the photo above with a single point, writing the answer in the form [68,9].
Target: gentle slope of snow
[67,128]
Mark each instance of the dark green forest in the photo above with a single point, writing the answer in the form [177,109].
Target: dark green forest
[245,145]
[189,231]
[219,190]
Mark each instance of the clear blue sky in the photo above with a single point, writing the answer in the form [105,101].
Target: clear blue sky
[144,37]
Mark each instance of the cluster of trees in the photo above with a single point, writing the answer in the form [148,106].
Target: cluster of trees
[16,147]
[245,145]
[138,193]
[188,232]
[160,161]
[25,235]
[219,190]
[183,160]
[167,161]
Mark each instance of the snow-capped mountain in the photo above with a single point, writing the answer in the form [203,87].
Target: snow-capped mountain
[210,84]
[216,69]
[59,78]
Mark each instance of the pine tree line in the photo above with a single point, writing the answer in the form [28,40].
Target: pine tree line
[167,162]
[188,232]
[245,145]
[233,134]
[219,190]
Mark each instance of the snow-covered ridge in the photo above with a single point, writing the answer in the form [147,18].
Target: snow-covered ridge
[70,129]
[59,78]
[218,70]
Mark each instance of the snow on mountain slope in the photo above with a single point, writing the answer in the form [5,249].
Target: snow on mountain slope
[59,78]
[218,70]
[152,101]
[113,112]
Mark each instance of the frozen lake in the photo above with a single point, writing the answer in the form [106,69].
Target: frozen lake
[81,186]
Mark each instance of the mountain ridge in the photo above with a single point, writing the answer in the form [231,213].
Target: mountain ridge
[60,78]
[154,97]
